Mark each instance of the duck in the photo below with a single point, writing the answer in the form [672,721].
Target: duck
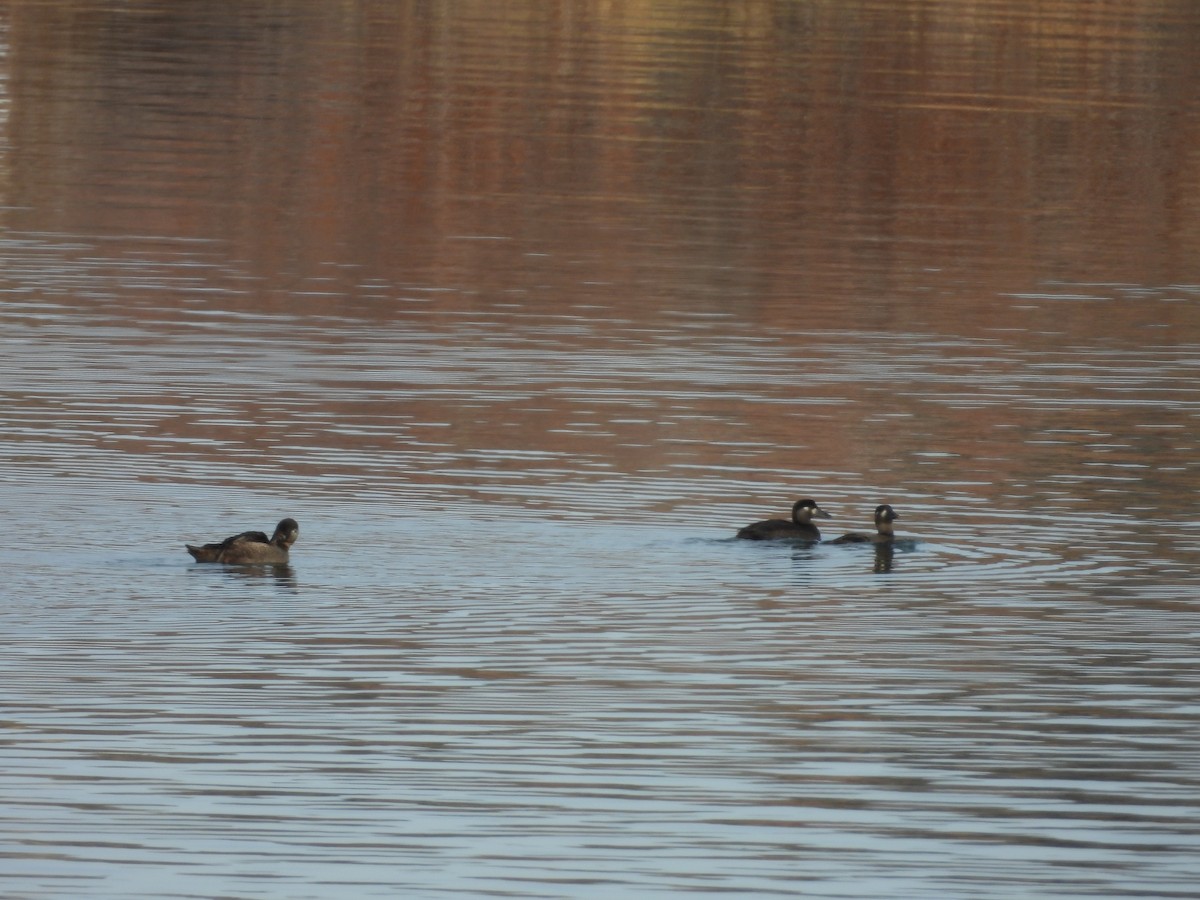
[799,528]
[884,517]
[250,547]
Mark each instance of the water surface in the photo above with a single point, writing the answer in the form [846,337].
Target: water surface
[522,313]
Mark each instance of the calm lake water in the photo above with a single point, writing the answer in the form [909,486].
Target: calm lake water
[522,310]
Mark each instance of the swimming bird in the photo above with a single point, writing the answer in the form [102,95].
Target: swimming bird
[884,517]
[250,547]
[800,528]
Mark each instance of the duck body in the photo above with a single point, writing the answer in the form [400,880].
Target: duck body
[798,528]
[884,533]
[250,547]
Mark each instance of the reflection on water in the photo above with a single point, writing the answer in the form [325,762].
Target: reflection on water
[283,576]
[527,312]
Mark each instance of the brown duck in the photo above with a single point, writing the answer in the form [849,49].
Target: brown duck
[800,528]
[885,533]
[250,547]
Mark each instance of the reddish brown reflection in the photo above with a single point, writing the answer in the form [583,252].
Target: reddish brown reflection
[876,153]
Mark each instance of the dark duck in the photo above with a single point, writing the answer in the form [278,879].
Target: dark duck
[884,533]
[250,547]
[798,528]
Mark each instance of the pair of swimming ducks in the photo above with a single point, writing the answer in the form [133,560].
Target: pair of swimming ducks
[255,548]
[801,527]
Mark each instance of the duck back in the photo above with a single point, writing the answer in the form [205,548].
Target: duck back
[779,530]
